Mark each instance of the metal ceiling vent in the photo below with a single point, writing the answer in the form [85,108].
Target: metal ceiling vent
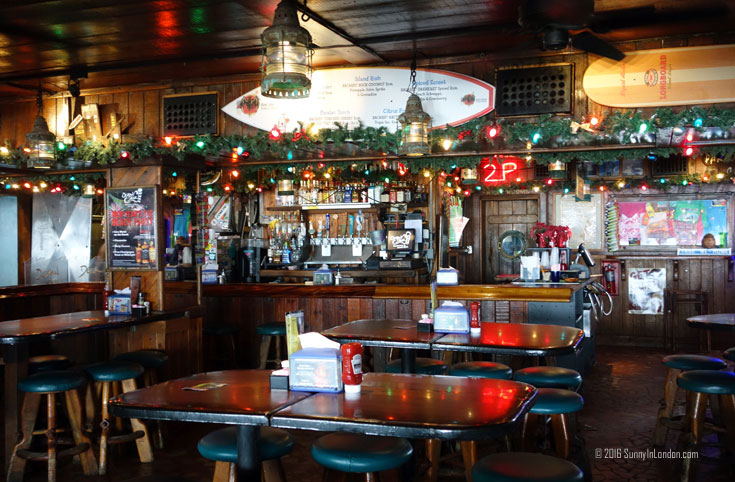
[535,90]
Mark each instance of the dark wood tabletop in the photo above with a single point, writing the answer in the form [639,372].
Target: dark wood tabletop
[415,406]
[246,398]
[42,328]
[386,332]
[515,339]
[723,321]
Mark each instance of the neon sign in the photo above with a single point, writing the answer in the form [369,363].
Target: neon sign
[495,171]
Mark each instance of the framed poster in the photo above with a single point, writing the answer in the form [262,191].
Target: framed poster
[132,228]
[584,218]
[632,167]
[646,291]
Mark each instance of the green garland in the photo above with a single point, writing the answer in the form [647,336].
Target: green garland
[69,184]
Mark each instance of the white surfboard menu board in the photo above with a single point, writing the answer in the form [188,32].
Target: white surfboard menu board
[375,96]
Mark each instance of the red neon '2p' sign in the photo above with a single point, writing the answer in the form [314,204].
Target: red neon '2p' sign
[495,171]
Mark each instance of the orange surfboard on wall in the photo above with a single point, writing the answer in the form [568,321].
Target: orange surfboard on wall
[661,77]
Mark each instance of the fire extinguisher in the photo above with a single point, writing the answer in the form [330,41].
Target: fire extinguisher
[609,276]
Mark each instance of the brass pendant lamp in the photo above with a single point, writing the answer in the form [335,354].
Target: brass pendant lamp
[414,123]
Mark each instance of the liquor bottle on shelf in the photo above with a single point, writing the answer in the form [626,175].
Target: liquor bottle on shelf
[144,253]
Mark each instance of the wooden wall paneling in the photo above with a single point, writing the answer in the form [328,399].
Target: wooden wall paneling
[353,309]
[122,99]
[379,309]
[518,312]
[418,307]
[230,126]
[487,311]
[151,113]
[136,111]
[366,308]
[49,113]
[391,308]
[183,337]
[404,309]
[150,335]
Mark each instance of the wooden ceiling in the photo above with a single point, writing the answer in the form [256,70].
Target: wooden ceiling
[122,42]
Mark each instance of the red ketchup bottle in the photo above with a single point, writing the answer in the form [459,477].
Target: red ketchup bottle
[352,366]
[475,318]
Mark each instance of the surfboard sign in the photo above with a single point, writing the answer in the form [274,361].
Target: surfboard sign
[662,77]
[375,96]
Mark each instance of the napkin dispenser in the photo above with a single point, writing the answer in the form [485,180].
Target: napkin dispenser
[119,304]
[315,370]
[447,277]
[451,317]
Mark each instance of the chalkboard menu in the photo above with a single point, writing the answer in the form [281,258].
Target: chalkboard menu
[132,228]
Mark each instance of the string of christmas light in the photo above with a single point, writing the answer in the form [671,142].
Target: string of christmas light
[82,184]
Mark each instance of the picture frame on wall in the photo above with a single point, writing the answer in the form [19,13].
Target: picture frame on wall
[607,169]
[131,228]
[633,167]
[584,218]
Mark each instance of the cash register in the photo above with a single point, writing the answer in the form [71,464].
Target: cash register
[400,245]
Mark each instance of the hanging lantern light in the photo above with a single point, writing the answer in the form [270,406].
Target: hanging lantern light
[558,170]
[286,62]
[414,123]
[40,142]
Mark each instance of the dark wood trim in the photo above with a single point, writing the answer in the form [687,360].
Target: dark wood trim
[461,292]
[50,290]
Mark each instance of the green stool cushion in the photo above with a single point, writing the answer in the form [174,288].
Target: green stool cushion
[43,363]
[549,377]
[525,467]
[52,381]
[221,445]
[350,452]
[708,381]
[272,329]
[729,354]
[424,366]
[219,329]
[148,358]
[555,401]
[481,369]
[693,362]
[114,370]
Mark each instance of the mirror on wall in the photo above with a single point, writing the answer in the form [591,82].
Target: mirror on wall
[512,244]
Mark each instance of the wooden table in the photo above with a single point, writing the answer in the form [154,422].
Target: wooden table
[17,335]
[396,405]
[386,333]
[496,338]
[715,321]
[515,339]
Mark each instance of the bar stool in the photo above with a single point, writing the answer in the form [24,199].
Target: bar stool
[151,361]
[217,331]
[424,366]
[701,385]
[549,377]
[525,467]
[45,363]
[221,447]
[729,354]
[124,372]
[356,453]
[50,383]
[557,404]
[482,369]
[684,297]
[271,332]
[677,364]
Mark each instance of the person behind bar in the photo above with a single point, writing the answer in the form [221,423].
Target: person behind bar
[176,257]
[708,241]
[98,265]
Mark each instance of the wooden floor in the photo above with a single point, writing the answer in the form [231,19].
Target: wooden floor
[621,400]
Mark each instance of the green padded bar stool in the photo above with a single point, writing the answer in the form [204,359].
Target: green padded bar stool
[676,364]
[424,366]
[270,333]
[51,383]
[482,369]
[215,331]
[151,361]
[221,447]
[729,354]
[525,467]
[125,372]
[45,363]
[704,385]
[549,377]
[362,454]
[557,404]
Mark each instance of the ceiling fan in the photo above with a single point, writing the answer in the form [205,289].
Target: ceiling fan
[553,20]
